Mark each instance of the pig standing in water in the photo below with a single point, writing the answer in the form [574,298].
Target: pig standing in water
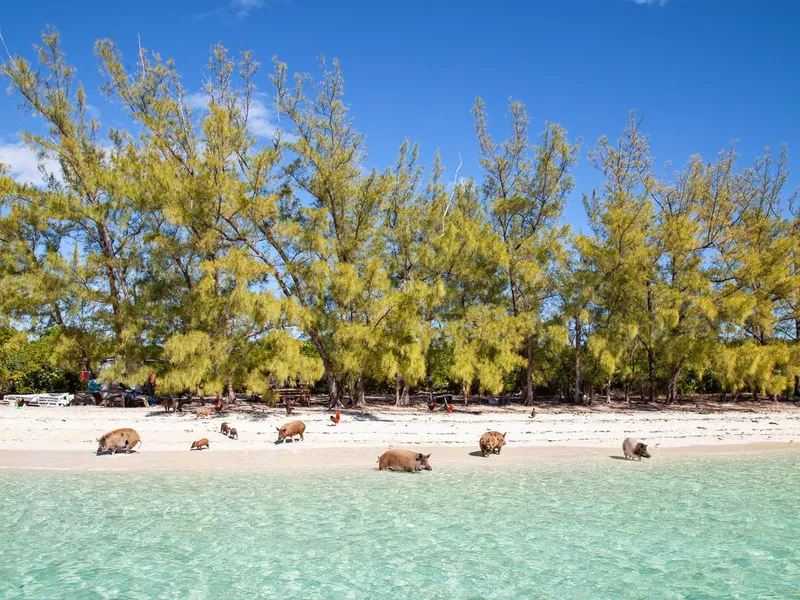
[119,439]
[290,430]
[633,448]
[491,442]
[404,460]
[199,444]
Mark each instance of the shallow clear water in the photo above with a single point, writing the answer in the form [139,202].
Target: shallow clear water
[711,527]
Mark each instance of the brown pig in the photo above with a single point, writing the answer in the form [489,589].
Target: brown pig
[119,439]
[199,444]
[204,412]
[491,442]
[404,460]
[290,430]
[633,448]
[168,403]
[233,434]
[224,429]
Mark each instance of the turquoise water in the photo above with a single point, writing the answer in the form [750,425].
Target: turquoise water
[711,527]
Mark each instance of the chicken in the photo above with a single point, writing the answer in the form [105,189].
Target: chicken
[449,408]
[432,405]
[533,412]
[336,418]
[289,408]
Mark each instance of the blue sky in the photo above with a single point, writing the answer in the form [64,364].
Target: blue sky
[702,72]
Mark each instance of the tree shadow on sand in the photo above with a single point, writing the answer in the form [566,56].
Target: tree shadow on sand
[367,417]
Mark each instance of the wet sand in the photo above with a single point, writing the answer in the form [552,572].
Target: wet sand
[294,456]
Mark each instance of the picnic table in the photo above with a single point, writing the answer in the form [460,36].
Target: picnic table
[294,394]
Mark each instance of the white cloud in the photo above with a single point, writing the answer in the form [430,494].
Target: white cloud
[197,101]
[243,7]
[651,2]
[259,118]
[24,164]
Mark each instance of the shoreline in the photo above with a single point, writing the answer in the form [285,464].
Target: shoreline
[65,438]
[337,459]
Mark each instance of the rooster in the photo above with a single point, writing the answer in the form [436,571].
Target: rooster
[533,412]
[336,418]
[432,405]
[449,408]
[289,408]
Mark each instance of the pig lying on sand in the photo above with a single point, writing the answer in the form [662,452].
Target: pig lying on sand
[199,444]
[633,448]
[119,439]
[204,412]
[491,442]
[404,460]
[290,430]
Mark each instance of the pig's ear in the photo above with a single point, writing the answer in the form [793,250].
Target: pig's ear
[428,456]
[640,447]
[505,434]
[278,428]
[420,456]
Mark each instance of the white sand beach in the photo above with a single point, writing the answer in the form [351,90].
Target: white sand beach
[65,437]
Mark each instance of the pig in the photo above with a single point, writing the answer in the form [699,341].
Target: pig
[203,412]
[633,448]
[224,429]
[404,460]
[168,403]
[118,439]
[491,442]
[198,445]
[233,434]
[290,430]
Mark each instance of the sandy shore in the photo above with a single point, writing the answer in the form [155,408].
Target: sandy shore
[65,437]
[298,457]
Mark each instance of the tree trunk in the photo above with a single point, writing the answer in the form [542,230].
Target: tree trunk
[608,391]
[358,397]
[334,393]
[672,387]
[465,389]
[797,340]
[651,355]
[529,374]
[400,392]
[230,395]
[577,383]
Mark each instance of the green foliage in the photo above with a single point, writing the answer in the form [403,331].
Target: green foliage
[31,365]
[225,255]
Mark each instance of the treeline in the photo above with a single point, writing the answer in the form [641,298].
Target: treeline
[229,252]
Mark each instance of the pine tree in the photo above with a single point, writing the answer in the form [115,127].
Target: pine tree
[525,198]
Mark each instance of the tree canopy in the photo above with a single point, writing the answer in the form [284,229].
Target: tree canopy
[233,245]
